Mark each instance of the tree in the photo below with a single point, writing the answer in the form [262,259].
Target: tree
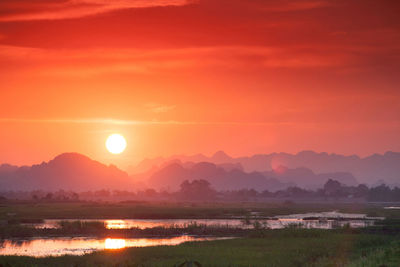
[361,191]
[380,193]
[75,196]
[49,196]
[332,188]
[197,190]
[151,193]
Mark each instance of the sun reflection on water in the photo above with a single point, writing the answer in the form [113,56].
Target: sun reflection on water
[116,224]
[113,243]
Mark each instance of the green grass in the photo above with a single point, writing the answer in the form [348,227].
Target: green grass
[385,256]
[287,247]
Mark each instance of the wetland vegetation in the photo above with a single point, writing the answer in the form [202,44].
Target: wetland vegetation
[254,245]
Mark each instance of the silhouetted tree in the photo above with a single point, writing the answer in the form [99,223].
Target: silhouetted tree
[380,193]
[75,196]
[332,188]
[197,190]
[396,194]
[102,193]
[361,191]
[49,196]
[150,193]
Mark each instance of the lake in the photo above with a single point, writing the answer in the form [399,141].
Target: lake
[40,247]
[322,220]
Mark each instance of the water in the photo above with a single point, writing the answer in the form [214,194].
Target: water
[41,247]
[142,223]
[322,220]
[317,223]
[330,214]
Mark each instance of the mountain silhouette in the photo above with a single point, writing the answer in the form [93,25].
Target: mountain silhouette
[68,171]
[306,178]
[220,157]
[368,170]
[171,176]
[73,171]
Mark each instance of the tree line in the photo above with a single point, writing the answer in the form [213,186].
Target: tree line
[202,190]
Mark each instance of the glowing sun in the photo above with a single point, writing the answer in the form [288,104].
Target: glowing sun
[116,144]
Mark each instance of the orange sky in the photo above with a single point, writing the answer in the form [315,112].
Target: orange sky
[185,77]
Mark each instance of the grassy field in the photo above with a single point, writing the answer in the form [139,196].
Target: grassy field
[287,247]
[144,210]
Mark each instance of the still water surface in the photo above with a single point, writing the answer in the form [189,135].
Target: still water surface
[40,247]
[322,220]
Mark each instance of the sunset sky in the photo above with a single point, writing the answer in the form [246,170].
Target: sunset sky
[186,77]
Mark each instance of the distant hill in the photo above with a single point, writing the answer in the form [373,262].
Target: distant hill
[73,171]
[368,170]
[223,178]
[69,171]
[171,176]
[306,178]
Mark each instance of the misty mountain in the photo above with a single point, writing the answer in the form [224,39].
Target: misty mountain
[69,171]
[366,170]
[7,168]
[221,178]
[72,171]
[148,164]
[306,178]
[234,177]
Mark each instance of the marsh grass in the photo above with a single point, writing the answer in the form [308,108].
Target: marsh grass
[258,246]
[285,247]
[255,229]
[82,225]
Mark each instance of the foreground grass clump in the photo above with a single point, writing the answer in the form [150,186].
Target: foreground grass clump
[286,247]
[81,225]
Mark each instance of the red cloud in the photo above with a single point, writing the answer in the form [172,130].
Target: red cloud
[55,10]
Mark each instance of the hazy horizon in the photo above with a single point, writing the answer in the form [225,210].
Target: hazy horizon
[188,77]
[131,164]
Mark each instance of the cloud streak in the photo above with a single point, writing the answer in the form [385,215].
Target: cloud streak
[25,10]
[158,108]
[128,122]
[298,5]
[106,121]
[71,9]
[89,62]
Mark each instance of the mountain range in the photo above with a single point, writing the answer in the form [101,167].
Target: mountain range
[222,177]
[369,170]
[310,170]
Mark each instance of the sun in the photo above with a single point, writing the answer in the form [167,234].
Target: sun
[116,144]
